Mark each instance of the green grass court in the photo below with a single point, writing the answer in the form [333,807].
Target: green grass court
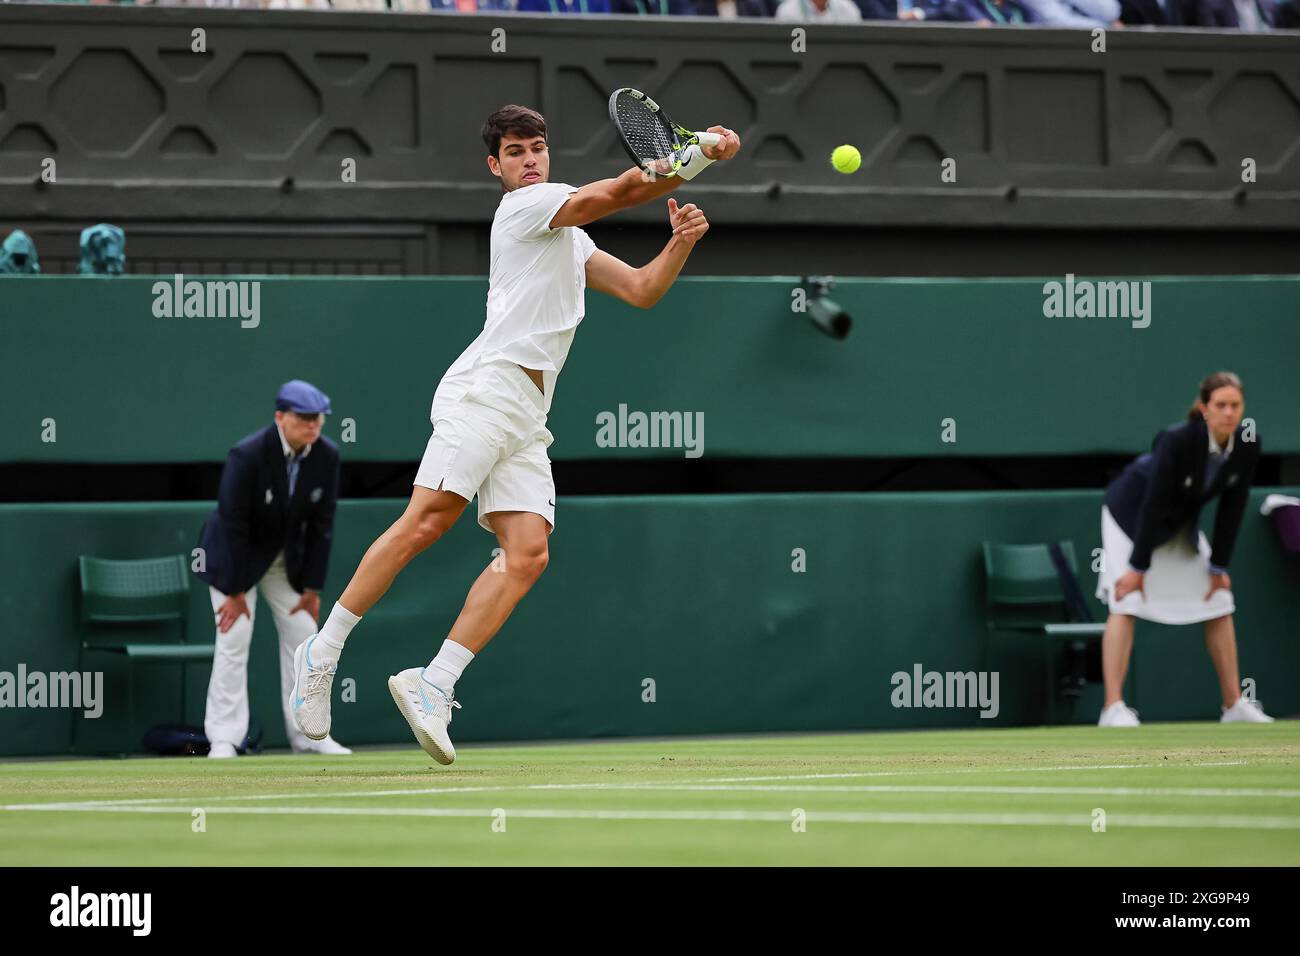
[1173,794]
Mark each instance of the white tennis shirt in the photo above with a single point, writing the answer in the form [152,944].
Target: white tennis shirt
[536,290]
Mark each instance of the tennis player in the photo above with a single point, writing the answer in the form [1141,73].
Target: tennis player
[1158,564]
[489,411]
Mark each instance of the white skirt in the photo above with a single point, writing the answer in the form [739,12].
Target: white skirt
[1174,585]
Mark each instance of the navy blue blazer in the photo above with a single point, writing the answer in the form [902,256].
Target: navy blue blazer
[1223,13]
[972,10]
[1137,12]
[744,8]
[1159,494]
[676,8]
[254,518]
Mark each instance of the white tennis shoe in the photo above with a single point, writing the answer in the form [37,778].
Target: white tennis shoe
[427,708]
[1119,714]
[310,698]
[1246,712]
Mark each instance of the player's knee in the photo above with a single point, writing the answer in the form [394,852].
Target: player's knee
[528,563]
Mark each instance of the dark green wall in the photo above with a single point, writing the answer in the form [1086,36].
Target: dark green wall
[696,593]
[124,386]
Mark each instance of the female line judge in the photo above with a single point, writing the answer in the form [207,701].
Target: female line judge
[1157,564]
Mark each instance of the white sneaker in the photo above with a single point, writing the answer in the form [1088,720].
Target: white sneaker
[310,698]
[1119,715]
[427,708]
[1246,712]
[221,751]
[329,746]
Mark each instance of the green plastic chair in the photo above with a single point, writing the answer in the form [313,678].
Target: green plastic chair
[147,591]
[1023,594]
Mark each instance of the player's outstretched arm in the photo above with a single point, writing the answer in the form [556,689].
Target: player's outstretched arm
[645,286]
[608,196]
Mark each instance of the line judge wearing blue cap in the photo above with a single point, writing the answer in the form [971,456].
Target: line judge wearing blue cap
[272,528]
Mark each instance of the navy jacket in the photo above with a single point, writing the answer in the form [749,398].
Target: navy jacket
[1137,12]
[972,10]
[254,518]
[676,8]
[565,6]
[1160,494]
[1223,13]
[744,8]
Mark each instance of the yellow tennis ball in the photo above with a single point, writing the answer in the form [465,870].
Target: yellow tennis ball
[846,159]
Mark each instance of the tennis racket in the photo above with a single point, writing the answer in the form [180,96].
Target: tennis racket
[654,141]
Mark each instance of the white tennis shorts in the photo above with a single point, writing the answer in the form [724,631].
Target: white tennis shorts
[492,443]
[1174,586]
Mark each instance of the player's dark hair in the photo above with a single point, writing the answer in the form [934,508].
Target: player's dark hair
[1211,382]
[515,120]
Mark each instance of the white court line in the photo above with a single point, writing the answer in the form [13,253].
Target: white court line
[1032,791]
[1177,792]
[1136,821]
[901,773]
[508,788]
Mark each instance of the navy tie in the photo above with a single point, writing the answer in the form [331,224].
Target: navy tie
[294,462]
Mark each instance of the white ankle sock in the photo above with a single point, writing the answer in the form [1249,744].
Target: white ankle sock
[336,630]
[445,669]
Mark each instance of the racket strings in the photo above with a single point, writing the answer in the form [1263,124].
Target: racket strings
[646,133]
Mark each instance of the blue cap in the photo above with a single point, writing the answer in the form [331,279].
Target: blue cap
[302,397]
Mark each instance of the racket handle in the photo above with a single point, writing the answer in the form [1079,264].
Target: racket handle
[709,139]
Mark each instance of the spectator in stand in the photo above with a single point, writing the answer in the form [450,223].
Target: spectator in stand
[735,9]
[982,12]
[818,11]
[296,5]
[470,6]
[205,3]
[641,8]
[1162,13]
[879,9]
[1076,13]
[563,6]
[1253,16]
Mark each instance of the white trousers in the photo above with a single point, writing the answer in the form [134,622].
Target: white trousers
[226,720]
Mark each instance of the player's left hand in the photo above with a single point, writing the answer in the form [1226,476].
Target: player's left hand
[1217,582]
[309,602]
[688,221]
[728,148]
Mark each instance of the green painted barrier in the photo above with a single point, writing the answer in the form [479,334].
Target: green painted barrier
[696,594]
[92,374]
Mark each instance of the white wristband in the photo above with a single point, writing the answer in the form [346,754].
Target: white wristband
[693,162]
